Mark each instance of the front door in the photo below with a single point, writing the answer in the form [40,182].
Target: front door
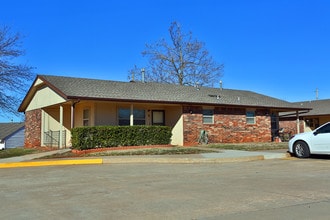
[274,126]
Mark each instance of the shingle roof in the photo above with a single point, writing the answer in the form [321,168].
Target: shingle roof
[319,107]
[82,88]
[6,129]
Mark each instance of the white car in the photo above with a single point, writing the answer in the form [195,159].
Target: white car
[314,142]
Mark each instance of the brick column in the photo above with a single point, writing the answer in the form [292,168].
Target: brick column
[32,128]
[192,124]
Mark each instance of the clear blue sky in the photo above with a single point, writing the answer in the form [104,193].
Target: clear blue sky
[279,48]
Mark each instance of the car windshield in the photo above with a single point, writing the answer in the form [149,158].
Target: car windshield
[324,129]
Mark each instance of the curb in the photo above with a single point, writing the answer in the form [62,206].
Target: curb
[51,163]
[129,160]
[181,160]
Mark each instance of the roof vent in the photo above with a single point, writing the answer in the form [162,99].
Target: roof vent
[215,96]
[197,85]
[132,77]
[142,74]
[220,84]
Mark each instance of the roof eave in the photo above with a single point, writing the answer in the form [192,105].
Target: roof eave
[186,103]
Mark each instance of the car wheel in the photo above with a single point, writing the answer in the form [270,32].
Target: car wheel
[301,149]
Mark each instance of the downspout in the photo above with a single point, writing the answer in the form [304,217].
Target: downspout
[73,105]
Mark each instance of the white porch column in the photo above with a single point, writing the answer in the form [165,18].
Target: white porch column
[43,127]
[298,127]
[61,126]
[72,116]
[131,117]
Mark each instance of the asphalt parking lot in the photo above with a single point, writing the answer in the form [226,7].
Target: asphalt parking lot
[268,189]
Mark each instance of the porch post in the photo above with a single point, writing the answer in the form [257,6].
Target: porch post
[131,117]
[73,106]
[72,115]
[298,127]
[61,126]
[44,126]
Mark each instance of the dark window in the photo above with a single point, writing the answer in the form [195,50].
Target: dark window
[324,129]
[138,116]
[312,122]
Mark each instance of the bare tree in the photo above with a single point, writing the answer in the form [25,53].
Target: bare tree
[13,77]
[183,61]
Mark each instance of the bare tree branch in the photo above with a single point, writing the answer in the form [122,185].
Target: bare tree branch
[13,77]
[183,61]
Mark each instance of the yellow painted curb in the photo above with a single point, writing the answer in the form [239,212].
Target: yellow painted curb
[51,163]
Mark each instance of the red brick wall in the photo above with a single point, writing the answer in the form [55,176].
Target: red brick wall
[290,126]
[229,126]
[32,128]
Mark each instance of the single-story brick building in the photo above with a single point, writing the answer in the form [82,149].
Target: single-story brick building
[318,114]
[57,103]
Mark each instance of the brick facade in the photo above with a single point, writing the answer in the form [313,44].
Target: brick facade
[229,126]
[290,126]
[32,128]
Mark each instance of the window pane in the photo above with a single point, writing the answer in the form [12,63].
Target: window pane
[86,117]
[124,116]
[250,117]
[123,122]
[86,113]
[250,114]
[208,116]
[207,120]
[139,122]
[250,120]
[138,113]
[208,112]
[124,113]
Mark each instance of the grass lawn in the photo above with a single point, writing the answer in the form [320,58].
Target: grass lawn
[210,148]
[145,151]
[155,151]
[251,146]
[15,152]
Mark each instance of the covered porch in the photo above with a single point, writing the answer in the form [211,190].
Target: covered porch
[58,120]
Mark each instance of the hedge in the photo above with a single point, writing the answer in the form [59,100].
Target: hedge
[83,138]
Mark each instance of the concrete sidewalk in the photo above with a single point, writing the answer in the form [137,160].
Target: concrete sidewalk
[29,157]
[222,156]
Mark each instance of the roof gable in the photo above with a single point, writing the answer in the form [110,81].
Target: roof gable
[7,129]
[318,107]
[39,89]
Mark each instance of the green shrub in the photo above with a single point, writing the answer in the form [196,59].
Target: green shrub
[112,136]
